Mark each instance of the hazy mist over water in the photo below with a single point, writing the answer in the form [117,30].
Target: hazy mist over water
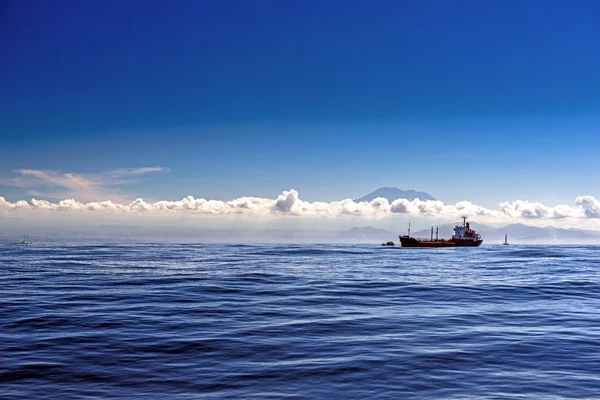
[352,232]
[301,321]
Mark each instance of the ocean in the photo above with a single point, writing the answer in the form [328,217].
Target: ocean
[187,321]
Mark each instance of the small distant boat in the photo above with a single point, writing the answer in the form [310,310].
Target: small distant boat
[388,244]
[505,240]
[26,240]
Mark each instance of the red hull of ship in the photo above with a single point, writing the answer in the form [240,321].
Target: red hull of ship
[412,242]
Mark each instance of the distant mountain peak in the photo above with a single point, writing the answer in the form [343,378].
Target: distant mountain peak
[393,193]
[366,229]
[366,232]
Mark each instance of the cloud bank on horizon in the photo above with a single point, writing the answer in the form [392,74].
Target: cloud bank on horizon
[289,205]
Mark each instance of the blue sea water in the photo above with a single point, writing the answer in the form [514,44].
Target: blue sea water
[168,321]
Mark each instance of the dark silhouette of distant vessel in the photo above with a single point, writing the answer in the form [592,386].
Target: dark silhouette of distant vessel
[463,236]
[26,240]
[505,240]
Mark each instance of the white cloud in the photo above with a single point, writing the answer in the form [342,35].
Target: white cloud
[589,205]
[289,205]
[135,171]
[585,207]
[83,187]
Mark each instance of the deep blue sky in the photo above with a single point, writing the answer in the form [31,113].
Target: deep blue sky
[331,98]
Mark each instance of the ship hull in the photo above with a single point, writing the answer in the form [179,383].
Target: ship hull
[412,242]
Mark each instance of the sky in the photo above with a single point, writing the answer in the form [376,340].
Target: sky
[485,102]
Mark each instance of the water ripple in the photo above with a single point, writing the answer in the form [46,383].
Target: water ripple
[154,320]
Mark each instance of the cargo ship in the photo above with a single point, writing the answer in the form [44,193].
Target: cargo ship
[463,236]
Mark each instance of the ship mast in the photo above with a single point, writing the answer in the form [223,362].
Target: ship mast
[464,217]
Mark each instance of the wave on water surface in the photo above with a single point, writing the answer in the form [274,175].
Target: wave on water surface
[301,321]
